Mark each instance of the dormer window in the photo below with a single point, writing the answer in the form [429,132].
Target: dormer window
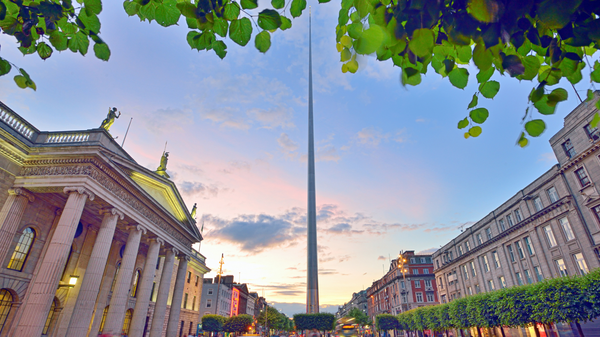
[569,150]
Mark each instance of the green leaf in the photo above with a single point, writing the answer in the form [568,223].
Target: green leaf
[4,67]
[595,120]
[285,23]
[370,40]
[489,89]
[532,66]
[262,41]
[410,76]
[355,30]
[422,42]
[352,66]
[21,81]
[167,14]
[148,11]
[323,1]
[220,27]
[192,39]
[59,40]
[473,101]
[484,75]
[249,4]
[345,55]
[131,7]
[590,94]
[484,10]
[232,11]
[595,75]
[558,95]
[102,51]
[269,19]
[479,115]
[459,77]
[555,14]
[187,9]
[576,77]
[513,65]
[463,123]
[482,57]
[464,54]
[278,4]
[475,131]
[240,31]
[346,41]
[522,140]
[91,22]
[535,127]
[93,6]
[44,50]
[220,48]
[79,43]
[543,107]
[297,7]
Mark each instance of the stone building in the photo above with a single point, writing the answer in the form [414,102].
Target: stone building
[91,242]
[548,229]
[358,300]
[409,284]
[233,298]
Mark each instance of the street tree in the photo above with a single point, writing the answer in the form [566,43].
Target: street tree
[239,323]
[539,41]
[359,316]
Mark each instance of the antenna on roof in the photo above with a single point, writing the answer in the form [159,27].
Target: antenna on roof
[126,132]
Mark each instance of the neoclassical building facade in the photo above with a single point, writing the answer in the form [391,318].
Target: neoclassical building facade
[91,242]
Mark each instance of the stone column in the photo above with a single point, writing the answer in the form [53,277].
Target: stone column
[140,311]
[118,302]
[43,286]
[158,319]
[173,324]
[10,217]
[90,285]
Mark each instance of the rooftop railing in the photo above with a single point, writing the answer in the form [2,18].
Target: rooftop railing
[17,123]
[71,137]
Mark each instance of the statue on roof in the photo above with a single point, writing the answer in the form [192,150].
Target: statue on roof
[193,214]
[110,118]
[162,169]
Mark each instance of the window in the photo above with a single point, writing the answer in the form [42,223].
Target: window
[402,285]
[440,283]
[518,215]
[49,318]
[467,245]
[591,132]
[473,272]
[134,287]
[152,292]
[185,299]
[470,290]
[466,274]
[412,260]
[564,222]
[197,279]
[443,298]
[194,303]
[509,220]
[127,321]
[511,253]
[582,176]
[552,194]
[537,204]
[491,285]
[460,247]
[538,273]
[6,302]
[404,298]
[485,263]
[189,276]
[415,271]
[477,289]
[519,278]
[423,260]
[208,303]
[496,259]
[426,271]
[581,265]
[437,263]
[529,245]
[550,236]
[502,282]
[519,249]
[528,276]
[419,297]
[430,297]
[428,284]
[479,239]
[569,150]
[417,284]
[103,320]
[502,227]
[562,268]
[22,249]
[488,233]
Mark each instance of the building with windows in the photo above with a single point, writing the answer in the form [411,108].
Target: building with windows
[409,283]
[90,241]
[359,300]
[550,228]
[233,298]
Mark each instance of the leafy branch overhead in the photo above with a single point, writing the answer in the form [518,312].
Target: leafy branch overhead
[540,41]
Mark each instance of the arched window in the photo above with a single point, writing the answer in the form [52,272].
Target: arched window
[127,321]
[19,255]
[134,287]
[103,318]
[5,305]
[114,282]
[49,318]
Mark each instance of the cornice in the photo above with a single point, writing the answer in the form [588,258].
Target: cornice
[574,161]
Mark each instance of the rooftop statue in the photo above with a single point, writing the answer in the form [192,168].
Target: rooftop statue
[193,214]
[162,169]
[110,118]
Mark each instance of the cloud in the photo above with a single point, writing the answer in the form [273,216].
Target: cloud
[344,258]
[371,136]
[277,116]
[420,120]
[381,257]
[427,251]
[226,117]
[192,188]
[327,153]
[236,166]
[167,120]
[401,136]
[288,146]
[547,157]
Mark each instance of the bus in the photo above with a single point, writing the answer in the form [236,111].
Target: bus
[346,327]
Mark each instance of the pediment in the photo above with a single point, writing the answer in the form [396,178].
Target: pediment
[161,193]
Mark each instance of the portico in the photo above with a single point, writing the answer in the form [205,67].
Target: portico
[88,237]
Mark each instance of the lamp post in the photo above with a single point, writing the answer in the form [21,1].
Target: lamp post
[401,262]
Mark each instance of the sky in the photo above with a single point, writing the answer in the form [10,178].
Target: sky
[393,172]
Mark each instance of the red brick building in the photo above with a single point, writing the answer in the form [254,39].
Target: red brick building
[409,283]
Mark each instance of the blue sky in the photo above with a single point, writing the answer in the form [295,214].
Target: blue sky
[393,172]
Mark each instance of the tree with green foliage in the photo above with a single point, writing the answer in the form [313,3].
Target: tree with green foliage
[239,323]
[359,316]
[540,41]
[274,319]
[213,323]
[386,322]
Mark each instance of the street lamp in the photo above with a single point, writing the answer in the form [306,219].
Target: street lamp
[72,282]
[401,262]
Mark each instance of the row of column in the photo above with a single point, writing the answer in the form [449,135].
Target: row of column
[44,283]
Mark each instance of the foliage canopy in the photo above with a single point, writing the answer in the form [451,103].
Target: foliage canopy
[213,323]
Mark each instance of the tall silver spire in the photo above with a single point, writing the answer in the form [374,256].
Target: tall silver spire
[312,284]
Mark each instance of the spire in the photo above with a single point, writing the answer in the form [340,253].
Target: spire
[312,270]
